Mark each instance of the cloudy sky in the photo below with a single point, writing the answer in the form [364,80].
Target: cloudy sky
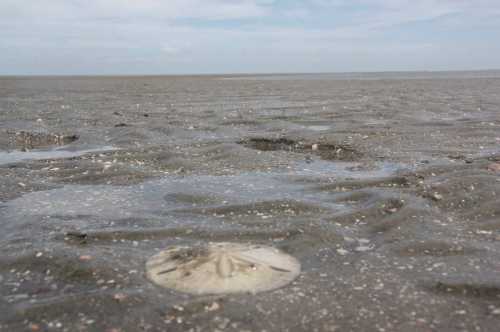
[246,36]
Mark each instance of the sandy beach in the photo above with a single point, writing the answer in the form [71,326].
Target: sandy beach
[385,187]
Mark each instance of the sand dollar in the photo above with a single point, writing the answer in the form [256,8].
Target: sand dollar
[220,268]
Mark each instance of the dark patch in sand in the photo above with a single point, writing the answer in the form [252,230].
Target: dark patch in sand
[327,151]
[468,290]
[26,140]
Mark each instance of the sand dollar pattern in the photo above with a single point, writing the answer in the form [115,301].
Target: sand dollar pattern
[221,268]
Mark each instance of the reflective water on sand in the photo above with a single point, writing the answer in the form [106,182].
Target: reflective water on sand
[60,152]
[185,201]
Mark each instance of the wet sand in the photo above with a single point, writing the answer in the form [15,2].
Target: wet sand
[386,189]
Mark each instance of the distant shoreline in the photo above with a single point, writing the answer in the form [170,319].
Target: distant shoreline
[331,75]
[389,75]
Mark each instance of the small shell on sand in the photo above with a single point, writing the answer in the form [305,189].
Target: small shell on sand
[494,167]
[221,268]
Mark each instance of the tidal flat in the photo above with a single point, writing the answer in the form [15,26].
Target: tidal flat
[385,187]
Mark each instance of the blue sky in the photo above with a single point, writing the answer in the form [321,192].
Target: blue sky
[246,36]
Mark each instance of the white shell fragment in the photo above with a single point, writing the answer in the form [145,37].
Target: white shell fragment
[220,268]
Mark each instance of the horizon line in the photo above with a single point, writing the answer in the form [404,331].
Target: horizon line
[237,74]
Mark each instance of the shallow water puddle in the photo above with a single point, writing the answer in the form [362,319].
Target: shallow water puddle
[155,197]
[346,170]
[318,127]
[171,202]
[61,152]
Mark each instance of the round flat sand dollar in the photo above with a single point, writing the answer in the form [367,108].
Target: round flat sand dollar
[221,268]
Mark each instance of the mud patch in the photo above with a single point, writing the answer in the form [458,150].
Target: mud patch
[327,151]
[25,140]
[489,291]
